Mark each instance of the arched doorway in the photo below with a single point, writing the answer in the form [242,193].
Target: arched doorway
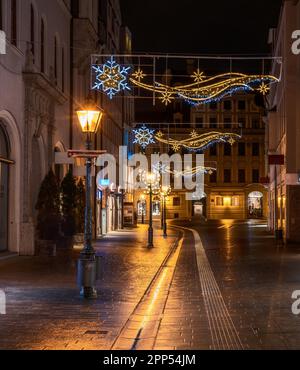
[255,204]
[4,196]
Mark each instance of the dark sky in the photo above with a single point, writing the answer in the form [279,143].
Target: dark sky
[201,26]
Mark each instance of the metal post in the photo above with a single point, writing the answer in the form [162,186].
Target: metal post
[87,266]
[162,212]
[150,232]
[278,231]
[165,217]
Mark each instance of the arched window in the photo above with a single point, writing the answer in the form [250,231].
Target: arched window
[32,29]
[13,22]
[43,40]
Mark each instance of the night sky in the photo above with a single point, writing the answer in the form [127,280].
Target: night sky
[201,27]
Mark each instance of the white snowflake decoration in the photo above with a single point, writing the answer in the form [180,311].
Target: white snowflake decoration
[111,78]
[144,137]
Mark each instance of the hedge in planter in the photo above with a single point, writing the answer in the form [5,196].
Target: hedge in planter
[48,207]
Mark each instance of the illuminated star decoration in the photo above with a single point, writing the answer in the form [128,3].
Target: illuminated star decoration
[231,141]
[166,97]
[144,136]
[198,76]
[139,75]
[264,89]
[111,78]
[176,147]
[194,134]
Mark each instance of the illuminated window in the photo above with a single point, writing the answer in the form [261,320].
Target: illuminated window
[227,201]
[219,201]
[235,201]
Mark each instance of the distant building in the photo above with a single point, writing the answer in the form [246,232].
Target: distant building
[234,191]
[283,133]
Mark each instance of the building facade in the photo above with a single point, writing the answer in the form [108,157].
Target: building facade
[283,128]
[45,78]
[234,191]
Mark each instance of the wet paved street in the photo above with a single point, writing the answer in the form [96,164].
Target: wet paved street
[225,285]
[43,307]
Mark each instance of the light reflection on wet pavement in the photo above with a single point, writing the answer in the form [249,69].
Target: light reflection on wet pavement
[254,277]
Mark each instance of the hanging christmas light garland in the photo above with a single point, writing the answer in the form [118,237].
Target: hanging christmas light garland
[207,90]
[113,78]
[196,142]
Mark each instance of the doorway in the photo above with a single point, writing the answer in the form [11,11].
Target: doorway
[255,205]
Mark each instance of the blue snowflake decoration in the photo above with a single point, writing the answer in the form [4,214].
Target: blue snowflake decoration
[144,137]
[111,77]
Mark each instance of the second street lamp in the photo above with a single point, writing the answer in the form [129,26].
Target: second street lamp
[151,180]
[89,119]
[165,192]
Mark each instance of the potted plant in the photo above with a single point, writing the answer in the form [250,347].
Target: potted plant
[68,208]
[80,212]
[48,218]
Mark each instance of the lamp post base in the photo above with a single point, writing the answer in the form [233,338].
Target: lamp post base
[150,238]
[87,276]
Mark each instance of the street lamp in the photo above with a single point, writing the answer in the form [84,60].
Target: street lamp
[151,180]
[165,192]
[89,119]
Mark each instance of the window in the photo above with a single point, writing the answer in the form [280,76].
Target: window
[176,202]
[242,149]
[227,149]
[219,201]
[213,178]
[213,105]
[43,46]
[13,24]
[227,176]
[255,176]
[156,208]
[255,150]
[227,122]
[199,122]
[242,122]
[213,122]
[242,105]
[235,201]
[255,123]
[227,105]
[213,151]
[32,29]
[242,176]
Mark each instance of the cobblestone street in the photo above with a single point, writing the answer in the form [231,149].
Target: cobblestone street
[229,289]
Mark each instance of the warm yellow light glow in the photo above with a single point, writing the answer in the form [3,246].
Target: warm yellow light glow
[227,201]
[199,141]
[90,120]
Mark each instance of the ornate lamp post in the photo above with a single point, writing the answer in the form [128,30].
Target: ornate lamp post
[143,202]
[151,180]
[89,119]
[165,192]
